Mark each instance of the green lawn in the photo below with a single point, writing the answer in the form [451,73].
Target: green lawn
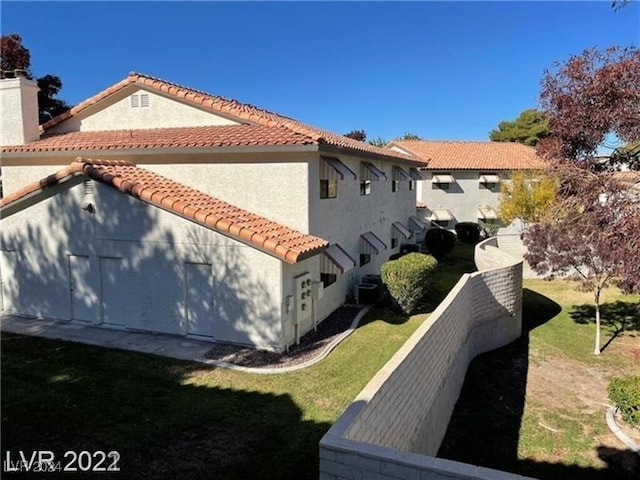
[542,399]
[174,419]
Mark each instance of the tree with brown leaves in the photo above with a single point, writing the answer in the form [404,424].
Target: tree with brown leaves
[587,238]
[589,98]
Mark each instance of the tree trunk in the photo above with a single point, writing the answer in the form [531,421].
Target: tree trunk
[596,350]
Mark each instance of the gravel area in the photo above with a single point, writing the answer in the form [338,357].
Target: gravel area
[310,345]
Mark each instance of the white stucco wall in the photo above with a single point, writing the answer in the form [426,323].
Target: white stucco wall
[463,198]
[272,185]
[343,219]
[138,255]
[116,113]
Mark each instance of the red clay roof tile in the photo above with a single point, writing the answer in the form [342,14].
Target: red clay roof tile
[457,155]
[234,108]
[285,243]
[215,136]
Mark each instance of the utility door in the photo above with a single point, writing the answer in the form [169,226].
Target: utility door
[115,292]
[199,299]
[84,290]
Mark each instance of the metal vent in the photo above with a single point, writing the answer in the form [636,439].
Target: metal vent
[144,100]
[135,101]
[88,187]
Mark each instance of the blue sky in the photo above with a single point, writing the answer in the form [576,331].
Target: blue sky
[443,70]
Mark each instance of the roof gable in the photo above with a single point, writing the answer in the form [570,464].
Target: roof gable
[137,106]
[254,230]
[241,112]
[459,155]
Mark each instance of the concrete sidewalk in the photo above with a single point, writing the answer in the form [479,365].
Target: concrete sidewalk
[157,344]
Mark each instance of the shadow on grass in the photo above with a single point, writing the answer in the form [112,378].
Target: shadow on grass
[485,425]
[617,316]
[62,396]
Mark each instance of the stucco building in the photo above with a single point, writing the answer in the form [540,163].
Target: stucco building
[157,207]
[462,180]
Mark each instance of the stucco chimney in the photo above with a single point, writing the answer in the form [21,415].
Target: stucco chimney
[18,109]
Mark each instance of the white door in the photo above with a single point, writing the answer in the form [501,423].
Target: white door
[199,299]
[84,290]
[114,292]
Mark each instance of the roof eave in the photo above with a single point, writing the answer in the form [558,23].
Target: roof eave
[337,149]
[311,147]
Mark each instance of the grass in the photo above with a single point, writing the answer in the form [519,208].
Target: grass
[174,419]
[542,399]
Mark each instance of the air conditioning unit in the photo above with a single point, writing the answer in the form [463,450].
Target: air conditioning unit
[367,293]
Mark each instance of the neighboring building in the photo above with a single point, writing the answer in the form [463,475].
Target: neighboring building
[463,179]
[204,216]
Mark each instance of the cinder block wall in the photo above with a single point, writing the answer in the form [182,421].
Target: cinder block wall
[407,406]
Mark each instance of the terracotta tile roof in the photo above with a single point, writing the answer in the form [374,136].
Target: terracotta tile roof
[456,155]
[232,108]
[214,136]
[283,242]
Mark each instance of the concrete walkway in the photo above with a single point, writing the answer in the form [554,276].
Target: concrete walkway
[158,344]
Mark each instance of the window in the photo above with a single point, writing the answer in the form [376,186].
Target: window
[364,258]
[441,217]
[398,175]
[398,230]
[328,279]
[333,262]
[489,181]
[365,187]
[441,181]
[328,188]
[370,244]
[332,170]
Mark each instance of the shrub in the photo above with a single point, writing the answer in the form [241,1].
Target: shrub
[489,229]
[439,242]
[468,232]
[624,392]
[407,279]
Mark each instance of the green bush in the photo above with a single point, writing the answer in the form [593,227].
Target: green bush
[624,392]
[407,279]
[489,229]
[468,232]
[439,242]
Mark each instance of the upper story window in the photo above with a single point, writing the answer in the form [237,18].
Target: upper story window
[398,175]
[489,181]
[415,175]
[368,173]
[441,181]
[140,100]
[332,170]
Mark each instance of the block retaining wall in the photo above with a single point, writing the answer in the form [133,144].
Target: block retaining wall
[393,429]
